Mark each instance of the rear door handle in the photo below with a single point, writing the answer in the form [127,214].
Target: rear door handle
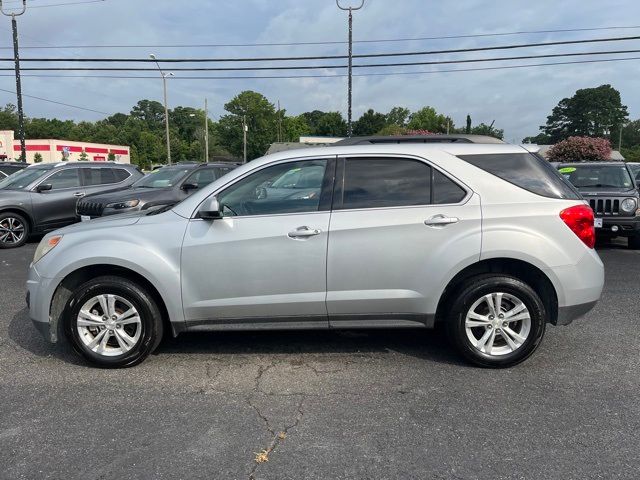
[303,232]
[440,221]
[78,194]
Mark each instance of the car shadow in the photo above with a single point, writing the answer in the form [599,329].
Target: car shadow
[425,344]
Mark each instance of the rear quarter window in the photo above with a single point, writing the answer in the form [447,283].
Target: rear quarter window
[526,171]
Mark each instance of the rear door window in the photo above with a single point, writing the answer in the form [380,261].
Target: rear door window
[385,182]
[98,176]
[526,171]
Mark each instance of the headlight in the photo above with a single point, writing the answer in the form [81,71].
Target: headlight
[628,205]
[45,246]
[127,204]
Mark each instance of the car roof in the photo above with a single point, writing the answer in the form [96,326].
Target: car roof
[409,139]
[91,164]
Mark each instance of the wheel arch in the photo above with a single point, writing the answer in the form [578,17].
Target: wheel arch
[79,276]
[520,269]
[23,213]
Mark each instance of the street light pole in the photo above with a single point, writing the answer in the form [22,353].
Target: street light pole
[16,56]
[350,75]
[166,107]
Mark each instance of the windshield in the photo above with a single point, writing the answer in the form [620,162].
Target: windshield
[23,178]
[598,176]
[162,178]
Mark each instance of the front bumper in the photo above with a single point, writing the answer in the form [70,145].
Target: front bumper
[39,300]
[619,226]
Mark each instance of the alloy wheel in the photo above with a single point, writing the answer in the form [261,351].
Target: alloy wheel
[109,325]
[12,230]
[498,324]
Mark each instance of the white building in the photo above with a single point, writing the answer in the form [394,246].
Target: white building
[58,150]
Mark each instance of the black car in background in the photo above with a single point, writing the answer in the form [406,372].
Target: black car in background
[7,168]
[42,197]
[163,187]
[612,192]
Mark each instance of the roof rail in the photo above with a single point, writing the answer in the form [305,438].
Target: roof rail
[436,138]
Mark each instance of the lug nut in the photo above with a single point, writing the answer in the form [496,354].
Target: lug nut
[113,317]
[489,327]
[491,317]
[504,324]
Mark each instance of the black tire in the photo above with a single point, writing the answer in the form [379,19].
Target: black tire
[151,326]
[14,230]
[634,242]
[473,290]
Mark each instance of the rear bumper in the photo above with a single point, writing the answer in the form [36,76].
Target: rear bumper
[578,286]
[568,314]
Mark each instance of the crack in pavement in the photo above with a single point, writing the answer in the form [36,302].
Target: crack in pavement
[278,438]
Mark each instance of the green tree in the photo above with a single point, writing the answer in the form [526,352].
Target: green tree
[467,129]
[398,116]
[591,112]
[37,158]
[540,139]
[150,112]
[369,123]
[484,129]
[326,124]
[428,119]
[260,117]
[9,117]
[294,127]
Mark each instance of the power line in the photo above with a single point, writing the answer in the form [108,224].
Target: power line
[54,101]
[59,5]
[332,42]
[324,67]
[336,75]
[330,57]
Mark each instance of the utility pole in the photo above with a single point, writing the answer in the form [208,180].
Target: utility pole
[279,123]
[350,75]
[16,56]
[206,132]
[245,129]
[166,107]
[620,138]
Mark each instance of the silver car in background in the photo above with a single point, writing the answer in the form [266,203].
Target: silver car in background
[487,240]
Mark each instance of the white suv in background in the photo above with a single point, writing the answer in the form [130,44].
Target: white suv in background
[488,240]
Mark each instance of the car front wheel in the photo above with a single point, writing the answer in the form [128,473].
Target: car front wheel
[14,230]
[113,322]
[496,320]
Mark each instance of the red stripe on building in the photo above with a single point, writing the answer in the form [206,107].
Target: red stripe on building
[60,148]
[32,148]
[116,151]
[96,150]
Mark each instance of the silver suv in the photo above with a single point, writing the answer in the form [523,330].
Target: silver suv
[487,240]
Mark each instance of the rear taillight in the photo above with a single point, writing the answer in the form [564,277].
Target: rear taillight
[580,220]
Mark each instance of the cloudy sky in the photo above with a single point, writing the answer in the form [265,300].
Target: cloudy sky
[517,99]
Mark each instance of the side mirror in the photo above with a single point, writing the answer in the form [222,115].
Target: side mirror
[189,186]
[44,187]
[210,209]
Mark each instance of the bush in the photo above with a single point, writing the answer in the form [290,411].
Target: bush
[580,148]
[37,158]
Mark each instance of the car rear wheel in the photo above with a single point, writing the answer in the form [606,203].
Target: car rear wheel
[14,230]
[496,320]
[113,322]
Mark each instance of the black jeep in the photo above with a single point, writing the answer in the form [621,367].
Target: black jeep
[611,190]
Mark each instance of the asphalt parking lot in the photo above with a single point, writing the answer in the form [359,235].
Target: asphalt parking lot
[359,405]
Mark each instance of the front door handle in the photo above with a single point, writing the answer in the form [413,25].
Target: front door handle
[440,221]
[78,194]
[303,232]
